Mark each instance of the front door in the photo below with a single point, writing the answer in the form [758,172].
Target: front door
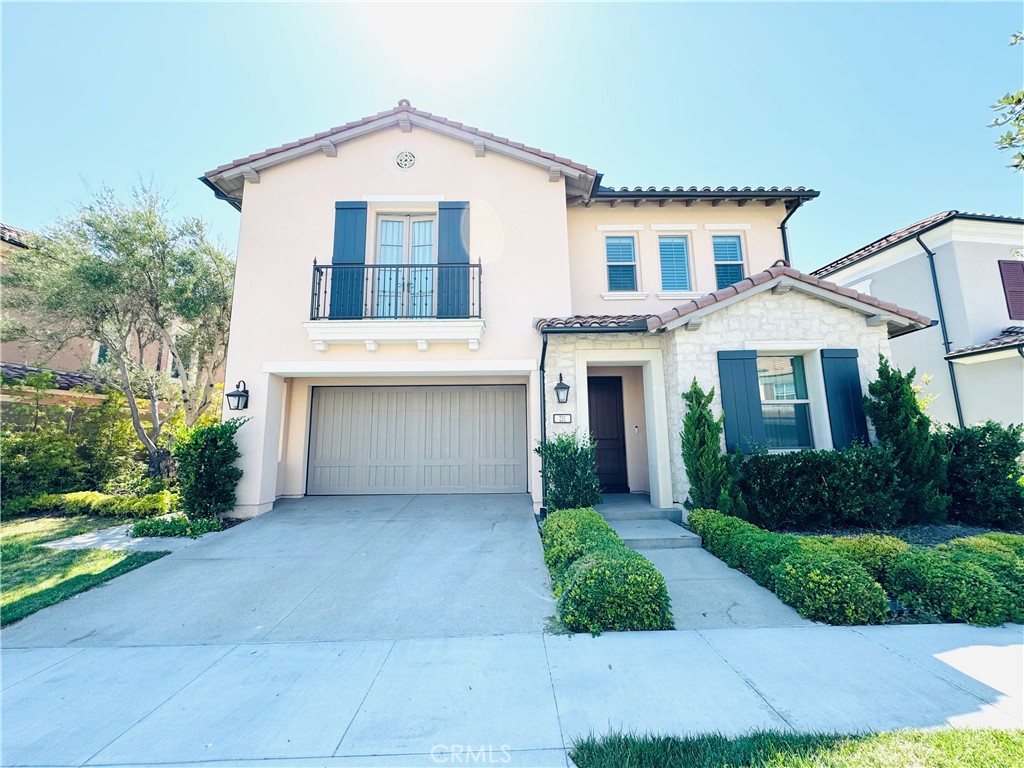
[609,432]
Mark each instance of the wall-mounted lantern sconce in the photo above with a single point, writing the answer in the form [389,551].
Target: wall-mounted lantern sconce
[562,390]
[239,399]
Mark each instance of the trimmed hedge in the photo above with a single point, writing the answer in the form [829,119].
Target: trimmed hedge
[954,588]
[874,553]
[599,583]
[178,525]
[1001,562]
[825,586]
[808,489]
[95,503]
[823,580]
[614,588]
[984,474]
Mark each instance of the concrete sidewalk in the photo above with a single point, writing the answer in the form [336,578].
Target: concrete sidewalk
[516,699]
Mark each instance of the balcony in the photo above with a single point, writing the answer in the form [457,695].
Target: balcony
[395,303]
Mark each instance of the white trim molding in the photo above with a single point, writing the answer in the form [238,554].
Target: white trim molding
[624,295]
[386,368]
[677,295]
[422,333]
[402,198]
[726,227]
[620,227]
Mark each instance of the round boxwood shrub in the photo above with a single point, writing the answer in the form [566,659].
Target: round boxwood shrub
[1012,541]
[874,553]
[1001,562]
[952,588]
[824,586]
[613,589]
[716,530]
[760,553]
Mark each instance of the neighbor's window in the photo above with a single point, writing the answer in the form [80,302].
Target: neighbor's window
[785,406]
[675,263]
[728,259]
[620,253]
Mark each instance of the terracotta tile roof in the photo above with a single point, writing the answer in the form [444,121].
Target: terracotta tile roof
[900,235]
[403,106]
[749,283]
[65,379]
[14,236]
[709,192]
[624,322]
[1012,336]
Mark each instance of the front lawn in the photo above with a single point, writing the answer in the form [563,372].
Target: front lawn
[35,577]
[956,748]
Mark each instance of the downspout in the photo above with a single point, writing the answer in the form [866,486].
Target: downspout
[942,327]
[785,236]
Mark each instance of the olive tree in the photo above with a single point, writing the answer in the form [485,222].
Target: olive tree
[125,275]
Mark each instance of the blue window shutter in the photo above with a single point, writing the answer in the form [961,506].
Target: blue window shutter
[741,400]
[453,248]
[675,263]
[349,248]
[844,397]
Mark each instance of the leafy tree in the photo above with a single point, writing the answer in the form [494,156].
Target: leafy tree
[1011,116]
[921,456]
[127,276]
[712,473]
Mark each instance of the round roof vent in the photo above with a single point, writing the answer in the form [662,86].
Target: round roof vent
[405,159]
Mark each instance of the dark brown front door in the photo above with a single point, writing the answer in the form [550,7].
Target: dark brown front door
[609,431]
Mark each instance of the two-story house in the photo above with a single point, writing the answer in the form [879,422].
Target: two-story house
[418,303]
[967,271]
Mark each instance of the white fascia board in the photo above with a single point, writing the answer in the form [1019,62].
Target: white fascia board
[986,357]
[364,368]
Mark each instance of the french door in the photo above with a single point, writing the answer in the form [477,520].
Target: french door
[406,255]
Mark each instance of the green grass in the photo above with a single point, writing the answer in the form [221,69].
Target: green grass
[952,748]
[35,577]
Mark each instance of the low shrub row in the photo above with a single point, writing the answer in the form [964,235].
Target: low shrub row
[844,580]
[599,583]
[93,503]
[177,525]
[822,581]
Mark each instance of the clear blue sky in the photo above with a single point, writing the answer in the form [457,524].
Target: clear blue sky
[881,107]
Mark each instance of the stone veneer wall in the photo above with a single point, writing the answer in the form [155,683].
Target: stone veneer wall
[772,318]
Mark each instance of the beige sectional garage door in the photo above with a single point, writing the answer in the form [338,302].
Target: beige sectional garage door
[417,440]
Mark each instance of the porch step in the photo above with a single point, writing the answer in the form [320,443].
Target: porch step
[639,513]
[654,534]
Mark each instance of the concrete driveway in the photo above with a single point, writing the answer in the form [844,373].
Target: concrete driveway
[325,568]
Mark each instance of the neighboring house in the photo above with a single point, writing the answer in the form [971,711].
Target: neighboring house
[72,356]
[410,292]
[967,271]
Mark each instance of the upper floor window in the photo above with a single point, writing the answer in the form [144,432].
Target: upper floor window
[400,291]
[785,405]
[675,262]
[620,253]
[728,259]
[1012,274]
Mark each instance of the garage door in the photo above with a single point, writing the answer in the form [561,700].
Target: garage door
[417,440]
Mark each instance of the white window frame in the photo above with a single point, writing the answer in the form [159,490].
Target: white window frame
[743,255]
[611,292]
[408,218]
[810,351]
[691,274]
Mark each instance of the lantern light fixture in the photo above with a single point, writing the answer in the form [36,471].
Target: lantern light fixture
[239,399]
[562,390]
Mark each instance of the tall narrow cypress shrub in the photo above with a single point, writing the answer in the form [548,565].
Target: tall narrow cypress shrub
[921,455]
[712,473]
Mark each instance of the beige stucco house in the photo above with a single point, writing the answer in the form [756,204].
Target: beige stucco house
[410,291]
[967,271]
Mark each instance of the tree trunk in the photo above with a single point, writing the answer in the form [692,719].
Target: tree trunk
[161,464]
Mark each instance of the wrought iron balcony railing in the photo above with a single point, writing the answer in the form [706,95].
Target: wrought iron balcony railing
[395,291]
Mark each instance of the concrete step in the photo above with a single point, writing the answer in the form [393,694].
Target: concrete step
[654,534]
[639,513]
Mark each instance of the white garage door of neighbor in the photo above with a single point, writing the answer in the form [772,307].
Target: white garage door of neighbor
[469,439]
